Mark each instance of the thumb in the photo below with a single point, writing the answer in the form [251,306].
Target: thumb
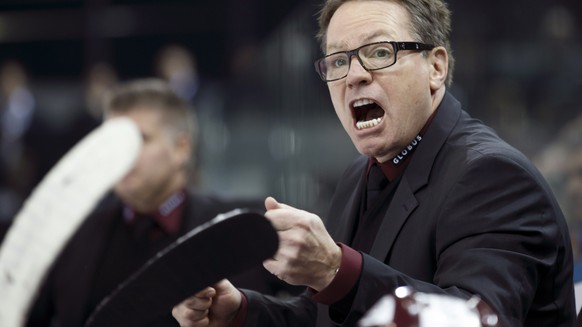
[271,204]
[223,285]
[206,293]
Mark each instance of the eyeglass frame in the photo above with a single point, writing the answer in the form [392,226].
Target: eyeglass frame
[397,45]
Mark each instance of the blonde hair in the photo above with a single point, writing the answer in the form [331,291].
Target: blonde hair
[154,94]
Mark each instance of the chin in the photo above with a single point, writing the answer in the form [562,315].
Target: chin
[369,153]
[125,191]
[372,149]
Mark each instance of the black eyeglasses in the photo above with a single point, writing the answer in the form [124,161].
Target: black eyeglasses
[371,56]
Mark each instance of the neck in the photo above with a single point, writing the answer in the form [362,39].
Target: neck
[153,200]
[437,98]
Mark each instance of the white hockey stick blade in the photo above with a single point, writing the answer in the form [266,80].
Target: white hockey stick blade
[56,208]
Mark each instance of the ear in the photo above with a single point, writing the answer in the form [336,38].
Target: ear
[183,148]
[439,68]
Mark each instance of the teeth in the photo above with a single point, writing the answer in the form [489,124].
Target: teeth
[368,124]
[362,102]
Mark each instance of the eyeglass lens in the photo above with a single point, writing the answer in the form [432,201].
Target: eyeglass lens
[372,56]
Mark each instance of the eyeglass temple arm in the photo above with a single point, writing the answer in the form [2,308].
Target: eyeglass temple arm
[413,46]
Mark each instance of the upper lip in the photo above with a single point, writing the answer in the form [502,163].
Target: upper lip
[361,102]
[355,101]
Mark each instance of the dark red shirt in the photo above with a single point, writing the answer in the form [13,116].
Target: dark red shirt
[168,216]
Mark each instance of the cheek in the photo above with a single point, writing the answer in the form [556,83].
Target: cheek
[155,150]
[337,100]
[151,159]
[409,107]
[166,158]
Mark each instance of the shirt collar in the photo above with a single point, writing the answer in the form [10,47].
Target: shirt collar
[168,216]
[394,168]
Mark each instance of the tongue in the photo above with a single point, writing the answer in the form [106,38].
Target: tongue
[375,112]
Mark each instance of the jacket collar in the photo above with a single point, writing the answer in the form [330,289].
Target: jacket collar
[420,167]
[416,175]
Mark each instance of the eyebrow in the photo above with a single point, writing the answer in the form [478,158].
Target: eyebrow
[343,45]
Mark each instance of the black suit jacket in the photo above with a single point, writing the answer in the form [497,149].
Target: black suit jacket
[64,298]
[471,215]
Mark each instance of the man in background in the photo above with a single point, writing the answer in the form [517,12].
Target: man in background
[149,209]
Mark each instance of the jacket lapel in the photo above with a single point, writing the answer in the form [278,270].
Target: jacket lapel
[402,205]
[343,214]
[416,176]
[81,262]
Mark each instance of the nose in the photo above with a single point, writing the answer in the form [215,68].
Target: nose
[357,75]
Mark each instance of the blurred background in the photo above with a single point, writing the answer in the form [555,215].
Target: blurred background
[267,124]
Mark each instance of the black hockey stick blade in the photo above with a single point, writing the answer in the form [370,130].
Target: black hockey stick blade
[229,244]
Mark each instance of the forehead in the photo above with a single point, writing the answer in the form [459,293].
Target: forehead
[359,22]
[146,117]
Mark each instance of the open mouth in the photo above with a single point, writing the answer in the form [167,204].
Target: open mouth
[367,113]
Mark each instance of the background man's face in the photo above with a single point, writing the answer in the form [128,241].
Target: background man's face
[159,164]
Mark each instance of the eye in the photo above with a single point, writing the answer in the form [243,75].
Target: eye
[381,53]
[377,51]
[339,62]
[146,137]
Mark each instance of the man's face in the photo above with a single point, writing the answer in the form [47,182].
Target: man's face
[400,95]
[159,169]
